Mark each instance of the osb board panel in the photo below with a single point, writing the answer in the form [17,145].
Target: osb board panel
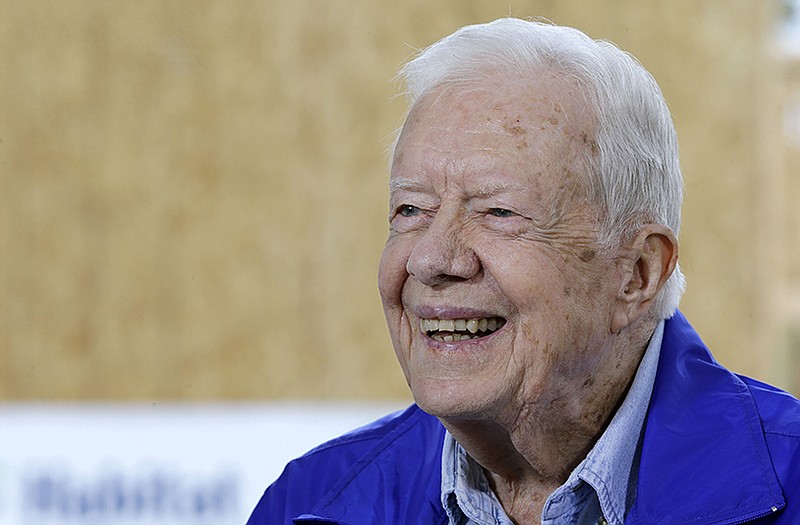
[193,193]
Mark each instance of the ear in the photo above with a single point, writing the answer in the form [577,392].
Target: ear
[655,255]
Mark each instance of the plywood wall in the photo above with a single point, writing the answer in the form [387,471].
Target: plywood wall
[192,193]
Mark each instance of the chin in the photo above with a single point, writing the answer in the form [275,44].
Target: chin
[446,401]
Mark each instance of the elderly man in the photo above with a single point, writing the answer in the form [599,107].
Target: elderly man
[530,284]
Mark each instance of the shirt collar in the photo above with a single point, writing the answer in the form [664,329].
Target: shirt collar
[465,489]
[610,468]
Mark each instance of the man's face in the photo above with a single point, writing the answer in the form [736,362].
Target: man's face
[497,295]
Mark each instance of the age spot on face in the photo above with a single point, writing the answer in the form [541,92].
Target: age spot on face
[590,143]
[515,128]
[519,131]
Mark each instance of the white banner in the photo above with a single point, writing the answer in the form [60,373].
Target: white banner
[156,464]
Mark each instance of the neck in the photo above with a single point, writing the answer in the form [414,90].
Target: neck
[529,454]
[518,484]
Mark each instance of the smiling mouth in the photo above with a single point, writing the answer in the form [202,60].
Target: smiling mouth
[450,330]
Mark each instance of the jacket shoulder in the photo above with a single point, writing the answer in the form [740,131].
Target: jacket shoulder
[779,411]
[311,479]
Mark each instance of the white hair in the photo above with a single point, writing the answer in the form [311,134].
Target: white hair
[635,176]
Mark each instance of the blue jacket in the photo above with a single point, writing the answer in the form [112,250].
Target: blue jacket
[717,449]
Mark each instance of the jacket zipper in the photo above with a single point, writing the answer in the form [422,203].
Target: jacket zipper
[772,510]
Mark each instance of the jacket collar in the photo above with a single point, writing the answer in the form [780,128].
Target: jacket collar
[704,458]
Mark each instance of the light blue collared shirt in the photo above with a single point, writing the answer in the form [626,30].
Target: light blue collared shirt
[602,487]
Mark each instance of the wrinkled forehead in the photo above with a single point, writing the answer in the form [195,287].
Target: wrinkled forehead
[536,107]
[542,123]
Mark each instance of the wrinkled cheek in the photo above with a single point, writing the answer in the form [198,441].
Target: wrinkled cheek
[392,276]
[401,336]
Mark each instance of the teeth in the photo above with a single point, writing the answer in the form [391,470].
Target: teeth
[447,325]
[447,330]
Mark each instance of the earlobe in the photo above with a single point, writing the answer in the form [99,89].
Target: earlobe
[655,251]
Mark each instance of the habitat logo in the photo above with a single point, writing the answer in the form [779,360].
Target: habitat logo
[152,496]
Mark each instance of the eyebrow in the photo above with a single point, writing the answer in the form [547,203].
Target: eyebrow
[397,183]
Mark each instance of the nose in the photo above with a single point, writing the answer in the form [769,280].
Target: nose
[442,253]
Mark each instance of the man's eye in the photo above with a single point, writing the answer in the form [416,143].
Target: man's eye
[501,212]
[407,210]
